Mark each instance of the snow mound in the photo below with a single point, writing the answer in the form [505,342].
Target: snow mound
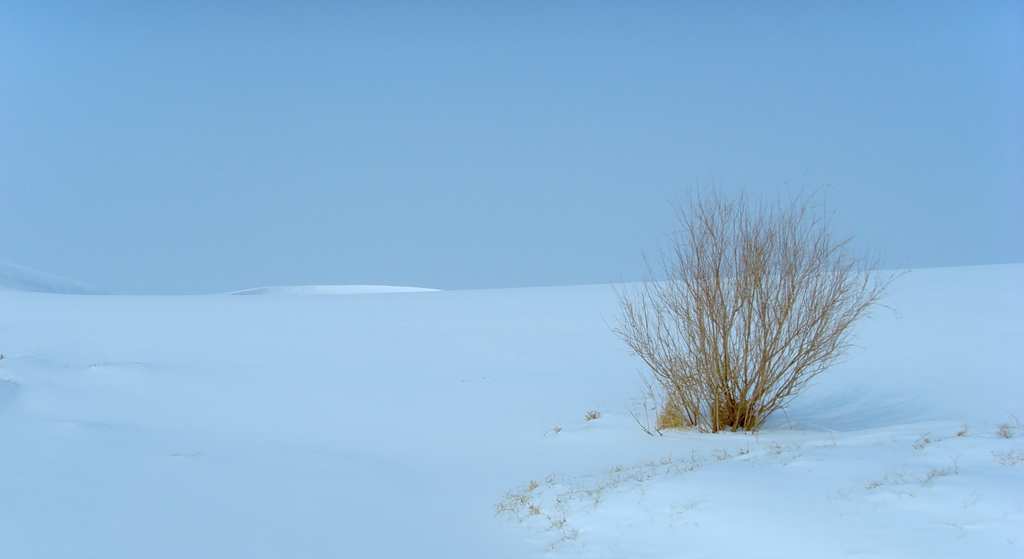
[20,278]
[329,290]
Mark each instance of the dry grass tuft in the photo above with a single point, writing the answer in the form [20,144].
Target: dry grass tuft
[671,415]
[1011,428]
[1010,457]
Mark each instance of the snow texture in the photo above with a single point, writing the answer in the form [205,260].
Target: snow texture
[329,290]
[455,424]
[20,278]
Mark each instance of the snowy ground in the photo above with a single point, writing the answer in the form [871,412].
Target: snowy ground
[453,424]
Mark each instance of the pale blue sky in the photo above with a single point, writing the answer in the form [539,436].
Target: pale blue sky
[202,147]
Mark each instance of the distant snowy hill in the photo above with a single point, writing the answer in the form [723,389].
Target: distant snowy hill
[328,290]
[20,278]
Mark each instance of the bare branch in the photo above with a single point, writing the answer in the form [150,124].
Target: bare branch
[757,300]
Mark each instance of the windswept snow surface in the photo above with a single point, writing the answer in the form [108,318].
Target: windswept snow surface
[20,278]
[397,425]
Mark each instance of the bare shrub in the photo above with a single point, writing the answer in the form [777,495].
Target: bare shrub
[1009,429]
[757,299]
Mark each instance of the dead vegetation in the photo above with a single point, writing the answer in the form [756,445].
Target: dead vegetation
[756,300]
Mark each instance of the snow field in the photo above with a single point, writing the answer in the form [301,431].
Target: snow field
[411,425]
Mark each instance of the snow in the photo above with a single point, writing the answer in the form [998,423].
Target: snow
[398,424]
[329,290]
[20,278]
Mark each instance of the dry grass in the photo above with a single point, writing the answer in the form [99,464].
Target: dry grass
[551,505]
[896,478]
[547,507]
[1009,429]
[671,415]
[757,300]
[1010,457]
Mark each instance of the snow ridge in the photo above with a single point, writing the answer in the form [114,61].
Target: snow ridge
[329,290]
[20,278]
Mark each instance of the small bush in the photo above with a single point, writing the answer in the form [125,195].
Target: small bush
[1009,429]
[671,415]
[757,299]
